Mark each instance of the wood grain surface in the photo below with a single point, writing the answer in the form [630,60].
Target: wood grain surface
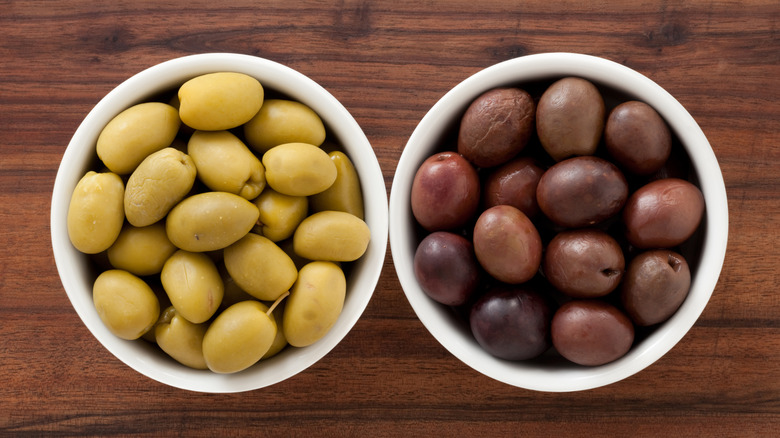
[389,62]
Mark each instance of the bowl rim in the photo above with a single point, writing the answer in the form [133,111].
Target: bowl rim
[272,75]
[604,72]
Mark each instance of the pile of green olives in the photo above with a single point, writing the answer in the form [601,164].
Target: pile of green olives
[222,223]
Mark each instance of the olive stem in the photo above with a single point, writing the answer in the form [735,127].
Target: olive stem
[276,303]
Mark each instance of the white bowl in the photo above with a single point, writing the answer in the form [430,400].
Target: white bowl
[552,373]
[76,271]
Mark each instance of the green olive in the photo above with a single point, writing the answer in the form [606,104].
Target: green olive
[238,337]
[298,169]
[181,339]
[283,121]
[95,213]
[331,235]
[141,250]
[260,267]
[219,101]
[345,193]
[225,164]
[161,180]
[279,214]
[125,303]
[314,304]
[135,133]
[210,221]
[193,284]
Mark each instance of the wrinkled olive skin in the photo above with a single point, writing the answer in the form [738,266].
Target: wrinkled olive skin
[655,285]
[512,323]
[141,250]
[225,164]
[507,244]
[260,267]
[135,133]
[161,180]
[181,339]
[238,337]
[96,212]
[280,214]
[210,221]
[663,213]
[314,304]
[637,137]
[514,183]
[584,263]
[591,332]
[445,192]
[496,126]
[333,236]
[193,284]
[299,169]
[282,121]
[581,191]
[446,268]
[125,303]
[345,193]
[219,101]
[570,118]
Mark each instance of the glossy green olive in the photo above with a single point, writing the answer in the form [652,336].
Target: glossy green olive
[95,213]
[210,221]
[345,193]
[260,267]
[141,250]
[279,214]
[225,164]
[161,180]
[282,121]
[298,169]
[331,235]
[238,337]
[219,101]
[135,133]
[193,285]
[181,339]
[125,303]
[314,304]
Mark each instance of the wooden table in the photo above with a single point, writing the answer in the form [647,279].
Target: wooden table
[388,62]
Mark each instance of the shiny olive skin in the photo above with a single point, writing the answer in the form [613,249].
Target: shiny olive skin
[584,263]
[445,192]
[663,213]
[193,284]
[570,118]
[135,133]
[210,221]
[331,235]
[496,126]
[225,164]
[298,169]
[181,339]
[219,101]
[345,193]
[507,244]
[96,212]
[655,285]
[280,214]
[581,191]
[591,332]
[512,322]
[637,137]
[141,250]
[161,180]
[514,183]
[315,303]
[282,121]
[238,337]
[446,268]
[125,303]
[260,267]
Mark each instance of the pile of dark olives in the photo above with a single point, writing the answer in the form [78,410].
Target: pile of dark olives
[551,219]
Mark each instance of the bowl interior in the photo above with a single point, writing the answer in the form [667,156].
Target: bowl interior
[705,252]
[77,273]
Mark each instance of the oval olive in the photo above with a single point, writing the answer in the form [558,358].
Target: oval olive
[331,235]
[591,332]
[96,212]
[345,193]
[314,304]
[507,244]
[655,285]
[514,183]
[125,303]
[637,137]
[298,169]
[584,263]
[193,285]
[445,192]
[280,214]
[141,250]
[260,267]
[281,121]
[181,339]
[219,101]
[225,164]
[238,337]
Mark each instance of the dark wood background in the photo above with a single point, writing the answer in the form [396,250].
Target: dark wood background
[388,62]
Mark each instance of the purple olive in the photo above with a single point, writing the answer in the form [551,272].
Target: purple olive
[446,268]
[445,192]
